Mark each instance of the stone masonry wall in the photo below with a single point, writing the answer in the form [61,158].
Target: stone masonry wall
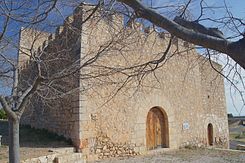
[119,107]
[107,118]
[214,103]
[56,107]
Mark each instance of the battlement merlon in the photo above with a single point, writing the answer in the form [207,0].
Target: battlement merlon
[30,41]
[93,12]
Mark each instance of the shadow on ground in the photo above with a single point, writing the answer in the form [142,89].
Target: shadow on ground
[36,138]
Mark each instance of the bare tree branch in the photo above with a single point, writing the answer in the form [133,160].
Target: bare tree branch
[236,50]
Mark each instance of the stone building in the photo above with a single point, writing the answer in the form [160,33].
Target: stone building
[120,106]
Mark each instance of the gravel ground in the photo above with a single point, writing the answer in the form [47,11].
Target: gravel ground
[31,149]
[186,156]
[178,156]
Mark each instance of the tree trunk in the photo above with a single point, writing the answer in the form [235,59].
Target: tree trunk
[14,146]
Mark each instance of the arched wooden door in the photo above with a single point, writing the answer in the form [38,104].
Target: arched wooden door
[210,134]
[156,129]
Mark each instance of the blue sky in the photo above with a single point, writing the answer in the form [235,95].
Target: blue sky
[234,102]
[237,7]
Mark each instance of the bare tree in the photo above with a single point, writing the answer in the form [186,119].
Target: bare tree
[47,69]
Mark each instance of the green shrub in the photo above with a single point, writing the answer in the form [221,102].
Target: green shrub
[3,115]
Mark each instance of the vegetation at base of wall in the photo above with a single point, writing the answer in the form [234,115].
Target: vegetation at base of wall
[240,136]
[3,115]
[30,137]
[190,147]
[42,137]
[237,136]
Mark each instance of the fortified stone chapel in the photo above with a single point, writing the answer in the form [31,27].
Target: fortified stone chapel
[181,104]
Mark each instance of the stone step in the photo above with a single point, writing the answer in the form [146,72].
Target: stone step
[63,150]
[240,147]
[69,158]
[58,158]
